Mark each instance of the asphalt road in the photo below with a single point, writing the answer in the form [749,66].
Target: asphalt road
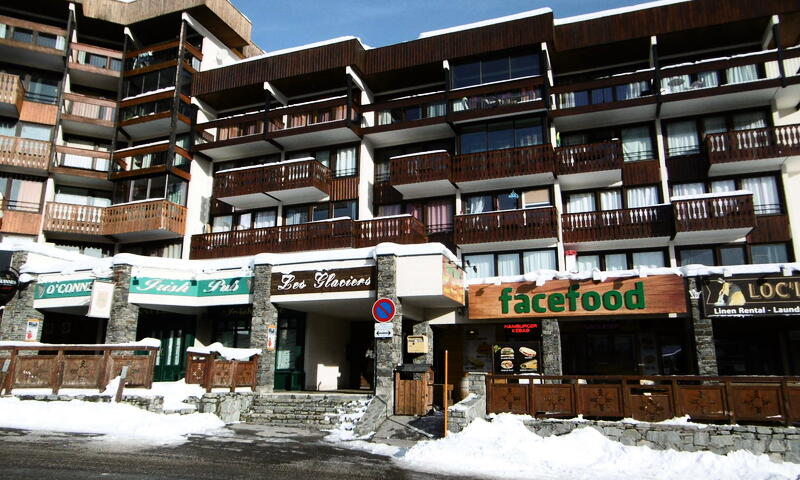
[248,452]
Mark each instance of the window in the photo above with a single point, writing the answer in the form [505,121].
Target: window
[769,253]
[641,197]
[82,196]
[168,187]
[148,82]
[699,256]
[580,202]
[345,209]
[42,89]
[539,197]
[343,161]
[637,144]
[652,259]
[479,266]
[587,263]
[620,260]
[734,254]
[509,263]
[490,202]
[320,211]
[244,220]
[35,132]
[501,135]
[21,193]
[494,70]
[766,192]
[539,260]
[682,138]
[296,215]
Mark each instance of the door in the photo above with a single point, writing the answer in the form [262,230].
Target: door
[289,355]
[176,333]
[361,355]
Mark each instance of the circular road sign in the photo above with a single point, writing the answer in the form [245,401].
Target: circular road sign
[383,310]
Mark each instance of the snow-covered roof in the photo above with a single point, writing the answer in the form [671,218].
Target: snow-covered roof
[483,23]
[615,11]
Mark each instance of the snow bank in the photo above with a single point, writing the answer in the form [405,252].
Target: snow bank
[115,420]
[143,343]
[174,393]
[506,448]
[228,353]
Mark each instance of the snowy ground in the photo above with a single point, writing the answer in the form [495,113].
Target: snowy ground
[505,448]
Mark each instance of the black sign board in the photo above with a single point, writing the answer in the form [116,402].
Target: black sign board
[512,358]
[9,284]
[751,296]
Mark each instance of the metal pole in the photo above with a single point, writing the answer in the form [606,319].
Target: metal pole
[444,393]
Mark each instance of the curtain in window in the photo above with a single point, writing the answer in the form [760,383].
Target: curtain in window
[35,132]
[749,120]
[222,224]
[610,200]
[616,261]
[99,202]
[636,144]
[586,263]
[25,195]
[631,90]
[580,202]
[484,264]
[296,216]
[705,80]
[415,210]
[345,162]
[539,260]
[77,161]
[3,30]
[566,100]
[479,204]
[675,84]
[642,197]
[765,194]
[648,259]
[439,216]
[384,117]
[389,210]
[682,138]
[719,186]
[264,219]
[72,199]
[436,110]
[771,253]
[743,73]
[508,264]
[681,189]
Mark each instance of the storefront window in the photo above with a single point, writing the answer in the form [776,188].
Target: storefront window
[232,326]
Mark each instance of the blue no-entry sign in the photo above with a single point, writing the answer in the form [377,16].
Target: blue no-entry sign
[383,310]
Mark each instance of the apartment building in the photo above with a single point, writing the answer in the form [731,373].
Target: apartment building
[604,146]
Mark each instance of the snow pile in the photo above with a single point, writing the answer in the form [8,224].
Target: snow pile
[506,448]
[348,418]
[228,353]
[115,420]
[174,393]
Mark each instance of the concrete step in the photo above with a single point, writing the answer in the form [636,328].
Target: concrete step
[314,410]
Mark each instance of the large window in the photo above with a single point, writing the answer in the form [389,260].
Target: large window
[766,191]
[148,82]
[505,200]
[501,135]
[612,199]
[733,254]
[296,215]
[167,187]
[435,214]
[21,193]
[244,220]
[621,260]
[495,70]
[343,161]
[637,140]
[509,263]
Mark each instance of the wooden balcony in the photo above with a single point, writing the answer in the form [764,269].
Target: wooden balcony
[12,93]
[238,136]
[89,116]
[589,165]
[741,151]
[23,154]
[322,122]
[32,44]
[495,99]
[529,227]
[149,220]
[422,174]
[81,162]
[713,217]
[20,217]
[269,185]
[419,116]
[509,168]
[403,229]
[64,218]
[94,66]
[644,225]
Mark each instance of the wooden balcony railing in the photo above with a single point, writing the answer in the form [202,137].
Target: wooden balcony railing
[230,128]
[96,59]
[11,90]
[506,225]
[650,399]
[25,153]
[272,178]
[707,77]
[33,36]
[91,108]
[401,229]
[753,144]
[311,114]
[20,217]
[82,158]
[420,167]
[590,157]
[144,216]
[643,222]
[511,162]
[68,218]
[714,213]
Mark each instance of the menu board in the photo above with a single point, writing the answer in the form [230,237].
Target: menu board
[514,358]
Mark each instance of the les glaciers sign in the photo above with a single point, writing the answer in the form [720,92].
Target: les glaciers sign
[191,292]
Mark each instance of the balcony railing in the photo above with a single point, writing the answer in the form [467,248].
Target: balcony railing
[68,218]
[89,107]
[81,158]
[628,223]
[339,233]
[719,72]
[605,91]
[506,225]
[230,128]
[511,162]
[41,37]
[98,59]
[420,167]
[714,212]
[11,90]
[753,144]
[24,153]
[591,157]
[313,114]
[485,101]
[411,110]
[271,178]
[144,216]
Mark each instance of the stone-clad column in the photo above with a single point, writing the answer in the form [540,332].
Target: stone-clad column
[264,315]
[703,331]
[551,347]
[424,328]
[20,308]
[388,351]
[124,318]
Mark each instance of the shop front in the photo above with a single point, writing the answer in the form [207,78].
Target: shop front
[74,307]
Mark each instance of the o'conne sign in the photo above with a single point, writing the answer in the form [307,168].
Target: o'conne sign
[565,298]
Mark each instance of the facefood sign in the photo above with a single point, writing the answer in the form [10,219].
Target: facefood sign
[190,292]
[564,298]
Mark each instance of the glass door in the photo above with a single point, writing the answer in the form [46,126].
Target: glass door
[289,371]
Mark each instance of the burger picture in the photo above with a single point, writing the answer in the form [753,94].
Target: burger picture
[506,352]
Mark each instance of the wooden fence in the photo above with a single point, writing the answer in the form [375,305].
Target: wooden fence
[61,368]
[706,399]
[210,371]
[413,396]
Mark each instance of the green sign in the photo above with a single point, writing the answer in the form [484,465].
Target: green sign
[192,288]
[65,289]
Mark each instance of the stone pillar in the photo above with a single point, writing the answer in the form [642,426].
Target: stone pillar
[264,315]
[124,318]
[388,351]
[703,331]
[424,328]
[20,308]
[551,347]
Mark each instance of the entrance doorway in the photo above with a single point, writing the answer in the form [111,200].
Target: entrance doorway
[176,333]
[361,355]
[289,358]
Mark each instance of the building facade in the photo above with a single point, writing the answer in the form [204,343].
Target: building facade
[632,143]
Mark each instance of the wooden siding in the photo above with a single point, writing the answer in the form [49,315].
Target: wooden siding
[24,223]
[646,172]
[38,113]
[770,228]
[345,188]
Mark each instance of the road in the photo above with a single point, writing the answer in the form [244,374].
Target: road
[247,452]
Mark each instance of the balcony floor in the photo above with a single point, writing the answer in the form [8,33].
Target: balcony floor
[241,147]
[746,166]
[509,245]
[711,236]
[87,127]
[627,243]
[315,136]
[602,178]
[409,135]
[505,183]
[426,189]
[714,100]
[612,114]
[108,80]
[275,198]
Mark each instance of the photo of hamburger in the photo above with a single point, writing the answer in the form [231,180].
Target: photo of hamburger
[506,352]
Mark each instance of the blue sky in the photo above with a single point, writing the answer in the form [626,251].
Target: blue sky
[282,24]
